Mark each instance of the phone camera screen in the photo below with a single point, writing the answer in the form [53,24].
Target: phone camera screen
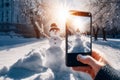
[79,34]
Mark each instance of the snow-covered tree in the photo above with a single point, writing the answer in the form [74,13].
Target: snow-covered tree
[105,16]
[34,11]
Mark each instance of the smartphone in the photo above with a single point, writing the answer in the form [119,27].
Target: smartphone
[78,36]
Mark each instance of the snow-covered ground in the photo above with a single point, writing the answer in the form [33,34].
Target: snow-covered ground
[77,44]
[19,55]
[110,50]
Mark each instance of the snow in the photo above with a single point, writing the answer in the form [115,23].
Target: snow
[80,44]
[18,50]
[30,64]
[55,41]
[33,61]
[8,40]
[29,59]
[110,50]
[3,71]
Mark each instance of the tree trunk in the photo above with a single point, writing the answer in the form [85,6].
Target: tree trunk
[95,33]
[35,28]
[104,34]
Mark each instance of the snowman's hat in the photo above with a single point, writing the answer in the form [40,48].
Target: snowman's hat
[54,27]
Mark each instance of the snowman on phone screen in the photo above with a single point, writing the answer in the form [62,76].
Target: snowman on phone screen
[82,44]
[78,43]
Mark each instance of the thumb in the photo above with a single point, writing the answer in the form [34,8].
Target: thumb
[86,60]
[94,64]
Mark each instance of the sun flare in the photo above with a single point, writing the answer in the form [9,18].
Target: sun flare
[61,13]
[79,24]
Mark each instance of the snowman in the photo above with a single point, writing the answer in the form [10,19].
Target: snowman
[55,59]
[54,54]
[82,44]
[55,40]
[78,34]
[78,43]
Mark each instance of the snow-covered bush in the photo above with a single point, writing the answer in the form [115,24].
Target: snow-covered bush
[48,75]
[3,71]
[31,64]
[34,60]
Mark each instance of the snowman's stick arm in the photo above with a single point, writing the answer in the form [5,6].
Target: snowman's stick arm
[41,29]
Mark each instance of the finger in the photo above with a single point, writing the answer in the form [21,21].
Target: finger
[86,60]
[96,55]
[85,69]
[82,69]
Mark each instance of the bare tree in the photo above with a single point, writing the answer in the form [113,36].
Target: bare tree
[34,11]
[104,12]
[95,32]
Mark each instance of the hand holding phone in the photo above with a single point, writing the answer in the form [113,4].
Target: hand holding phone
[78,37]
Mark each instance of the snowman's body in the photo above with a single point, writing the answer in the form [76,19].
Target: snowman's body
[78,40]
[77,44]
[81,44]
[55,41]
[54,51]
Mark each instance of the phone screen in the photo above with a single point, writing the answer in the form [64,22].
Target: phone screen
[78,37]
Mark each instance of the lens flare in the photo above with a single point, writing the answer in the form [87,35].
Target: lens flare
[62,14]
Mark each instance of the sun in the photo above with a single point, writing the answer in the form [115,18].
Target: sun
[60,15]
[79,24]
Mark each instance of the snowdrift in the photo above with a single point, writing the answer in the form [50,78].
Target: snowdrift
[28,66]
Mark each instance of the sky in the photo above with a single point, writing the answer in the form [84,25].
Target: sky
[59,8]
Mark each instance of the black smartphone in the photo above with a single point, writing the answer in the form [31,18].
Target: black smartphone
[78,36]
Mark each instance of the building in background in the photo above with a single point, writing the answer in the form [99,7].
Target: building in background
[11,19]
